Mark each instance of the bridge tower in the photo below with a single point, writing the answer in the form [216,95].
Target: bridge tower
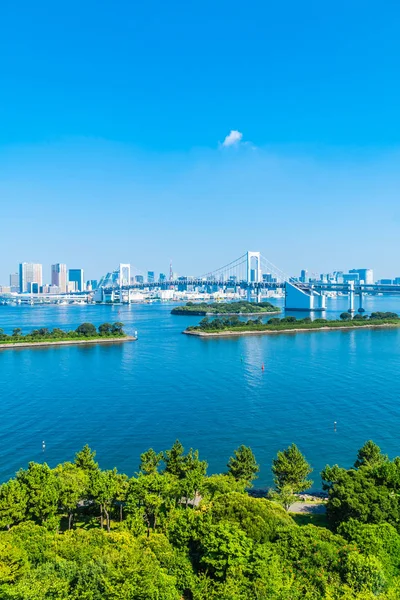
[254,274]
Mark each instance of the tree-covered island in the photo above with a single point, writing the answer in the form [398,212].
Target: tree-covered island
[173,532]
[225,308]
[86,332]
[234,326]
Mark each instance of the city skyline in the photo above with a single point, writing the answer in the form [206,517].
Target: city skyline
[29,277]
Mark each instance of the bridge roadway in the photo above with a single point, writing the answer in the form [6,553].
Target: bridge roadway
[319,286]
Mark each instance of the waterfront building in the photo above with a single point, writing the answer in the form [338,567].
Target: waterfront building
[267,277]
[337,276]
[396,280]
[162,278]
[150,277]
[14,282]
[91,284]
[364,275]
[76,276]
[59,276]
[139,278]
[29,273]
[386,281]
[5,289]
[351,277]
[33,287]
[303,276]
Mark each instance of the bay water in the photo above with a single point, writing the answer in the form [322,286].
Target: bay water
[212,394]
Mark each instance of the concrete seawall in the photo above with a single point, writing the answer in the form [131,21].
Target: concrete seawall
[116,340]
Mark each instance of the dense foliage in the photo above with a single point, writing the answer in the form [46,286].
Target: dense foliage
[173,533]
[225,308]
[233,323]
[85,330]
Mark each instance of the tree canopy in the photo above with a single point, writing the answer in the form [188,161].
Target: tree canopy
[172,532]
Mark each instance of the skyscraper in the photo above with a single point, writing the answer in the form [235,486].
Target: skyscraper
[365,275]
[303,275]
[76,276]
[150,276]
[14,282]
[59,276]
[29,273]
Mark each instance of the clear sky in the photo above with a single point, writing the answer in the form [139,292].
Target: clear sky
[113,117]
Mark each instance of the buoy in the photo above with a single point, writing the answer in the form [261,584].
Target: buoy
[334,425]
[43,445]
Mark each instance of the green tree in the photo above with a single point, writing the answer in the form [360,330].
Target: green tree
[219,485]
[13,503]
[243,466]
[345,316]
[291,470]
[225,549]
[174,459]
[105,329]
[106,487]
[150,461]
[85,460]
[192,476]
[86,329]
[370,455]
[151,495]
[16,332]
[73,483]
[42,491]
[117,328]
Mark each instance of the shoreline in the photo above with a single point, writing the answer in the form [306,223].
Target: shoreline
[111,340]
[212,314]
[293,330]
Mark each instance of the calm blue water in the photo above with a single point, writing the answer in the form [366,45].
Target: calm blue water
[125,398]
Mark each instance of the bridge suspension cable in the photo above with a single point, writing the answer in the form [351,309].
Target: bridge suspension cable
[268,267]
[232,269]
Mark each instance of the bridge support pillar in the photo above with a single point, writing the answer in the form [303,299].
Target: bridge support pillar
[360,307]
[351,297]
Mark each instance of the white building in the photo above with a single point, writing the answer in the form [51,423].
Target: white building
[59,276]
[29,273]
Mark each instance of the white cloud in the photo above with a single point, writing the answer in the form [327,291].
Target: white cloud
[233,139]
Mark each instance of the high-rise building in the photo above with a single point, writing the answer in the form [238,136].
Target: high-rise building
[91,285]
[267,277]
[162,277]
[59,276]
[14,282]
[29,273]
[76,276]
[364,275]
[303,276]
[150,277]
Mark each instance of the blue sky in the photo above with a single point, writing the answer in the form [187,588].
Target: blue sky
[113,117]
